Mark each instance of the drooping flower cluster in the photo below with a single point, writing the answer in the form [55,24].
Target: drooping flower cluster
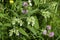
[15,31]
[31,20]
[46,32]
[19,21]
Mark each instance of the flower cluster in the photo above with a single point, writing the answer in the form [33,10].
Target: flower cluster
[31,20]
[14,30]
[25,6]
[46,32]
[18,21]
[24,10]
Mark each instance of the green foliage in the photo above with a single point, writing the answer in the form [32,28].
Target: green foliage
[18,22]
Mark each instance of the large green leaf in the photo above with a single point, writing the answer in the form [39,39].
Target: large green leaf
[32,29]
[36,26]
[23,32]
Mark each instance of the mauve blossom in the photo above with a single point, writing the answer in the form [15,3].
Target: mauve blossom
[48,27]
[24,11]
[25,4]
[44,32]
[51,34]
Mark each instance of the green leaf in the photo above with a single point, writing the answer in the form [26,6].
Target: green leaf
[23,32]
[2,15]
[36,26]
[31,12]
[36,2]
[1,23]
[7,24]
[32,29]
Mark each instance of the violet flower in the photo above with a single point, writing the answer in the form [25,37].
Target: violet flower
[25,4]
[48,27]
[51,34]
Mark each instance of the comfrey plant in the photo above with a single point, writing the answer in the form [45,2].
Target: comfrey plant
[24,19]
